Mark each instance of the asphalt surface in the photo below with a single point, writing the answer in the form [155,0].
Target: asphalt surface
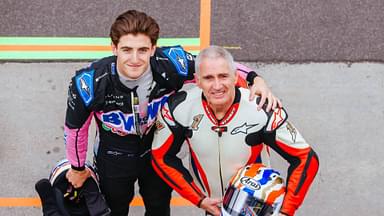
[337,107]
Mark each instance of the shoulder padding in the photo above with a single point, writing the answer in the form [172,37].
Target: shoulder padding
[84,84]
[176,99]
[86,78]
[169,107]
[179,58]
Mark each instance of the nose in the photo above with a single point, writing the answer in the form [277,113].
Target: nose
[135,57]
[216,84]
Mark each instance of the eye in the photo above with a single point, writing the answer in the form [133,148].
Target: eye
[126,50]
[224,76]
[207,78]
[143,50]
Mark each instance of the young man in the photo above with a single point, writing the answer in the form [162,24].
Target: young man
[123,93]
[224,132]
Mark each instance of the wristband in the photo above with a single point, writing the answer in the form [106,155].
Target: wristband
[250,77]
[78,168]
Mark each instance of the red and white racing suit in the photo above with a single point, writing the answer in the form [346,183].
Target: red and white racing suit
[218,148]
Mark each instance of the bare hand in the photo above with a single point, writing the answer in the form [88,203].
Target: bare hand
[260,88]
[211,205]
[77,178]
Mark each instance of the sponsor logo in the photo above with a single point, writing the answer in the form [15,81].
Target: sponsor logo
[250,183]
[179,59]
[118,100]
[84,87]
[189,57]
[154,107]
[243,128]
[167,114]
[84,84]
[120,121]
[196,121]
[278,118]
[292,131]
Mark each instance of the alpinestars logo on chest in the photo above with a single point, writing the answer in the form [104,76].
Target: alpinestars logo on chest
[243,128]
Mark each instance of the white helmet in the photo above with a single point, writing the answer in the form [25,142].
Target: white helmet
[255,190]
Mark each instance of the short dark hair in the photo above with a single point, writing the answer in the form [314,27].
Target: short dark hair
[134,22]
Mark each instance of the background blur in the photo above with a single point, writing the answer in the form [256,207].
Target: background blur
[324,59]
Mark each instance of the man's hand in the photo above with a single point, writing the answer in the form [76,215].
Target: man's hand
[260,88]
[77,178]
[211,205]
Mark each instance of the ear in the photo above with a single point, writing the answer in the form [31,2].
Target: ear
[114,49]
[153,50]
[236,76]
[197,80]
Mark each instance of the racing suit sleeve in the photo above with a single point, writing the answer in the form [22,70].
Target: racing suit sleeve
[77,121]
[169,138]
[246,76]
[303,163]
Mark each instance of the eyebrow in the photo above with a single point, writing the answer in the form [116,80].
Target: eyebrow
[128,47]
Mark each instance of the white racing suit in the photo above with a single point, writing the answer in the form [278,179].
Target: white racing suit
[218,148]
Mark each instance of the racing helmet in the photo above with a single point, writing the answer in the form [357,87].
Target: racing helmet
[59,197]
[254,190]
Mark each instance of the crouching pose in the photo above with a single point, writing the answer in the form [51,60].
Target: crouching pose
[224,132]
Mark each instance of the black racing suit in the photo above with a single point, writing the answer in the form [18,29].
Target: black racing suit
[122,150]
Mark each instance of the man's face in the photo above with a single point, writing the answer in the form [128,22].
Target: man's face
[133,53]
[217,82]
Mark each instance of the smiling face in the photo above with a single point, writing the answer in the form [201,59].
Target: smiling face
[133,54]
[217,81]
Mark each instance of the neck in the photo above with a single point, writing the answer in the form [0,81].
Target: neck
[221,110]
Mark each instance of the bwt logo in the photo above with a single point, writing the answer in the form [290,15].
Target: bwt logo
[250,182]
[154,107]
[117,119]
[126,122]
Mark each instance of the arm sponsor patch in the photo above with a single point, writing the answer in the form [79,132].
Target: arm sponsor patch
[84,84]
[178,57]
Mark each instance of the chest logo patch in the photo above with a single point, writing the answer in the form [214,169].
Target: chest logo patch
[243,128]
[196,121]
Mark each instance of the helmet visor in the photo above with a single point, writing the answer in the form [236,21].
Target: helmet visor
[240,203]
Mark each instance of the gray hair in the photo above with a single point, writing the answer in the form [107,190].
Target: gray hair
[215,52]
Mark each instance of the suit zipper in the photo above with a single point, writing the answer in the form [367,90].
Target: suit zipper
[136,112]
[220,167]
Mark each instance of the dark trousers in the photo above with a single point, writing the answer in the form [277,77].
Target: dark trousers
[118,175]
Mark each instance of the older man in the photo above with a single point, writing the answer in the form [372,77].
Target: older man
[224,131]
